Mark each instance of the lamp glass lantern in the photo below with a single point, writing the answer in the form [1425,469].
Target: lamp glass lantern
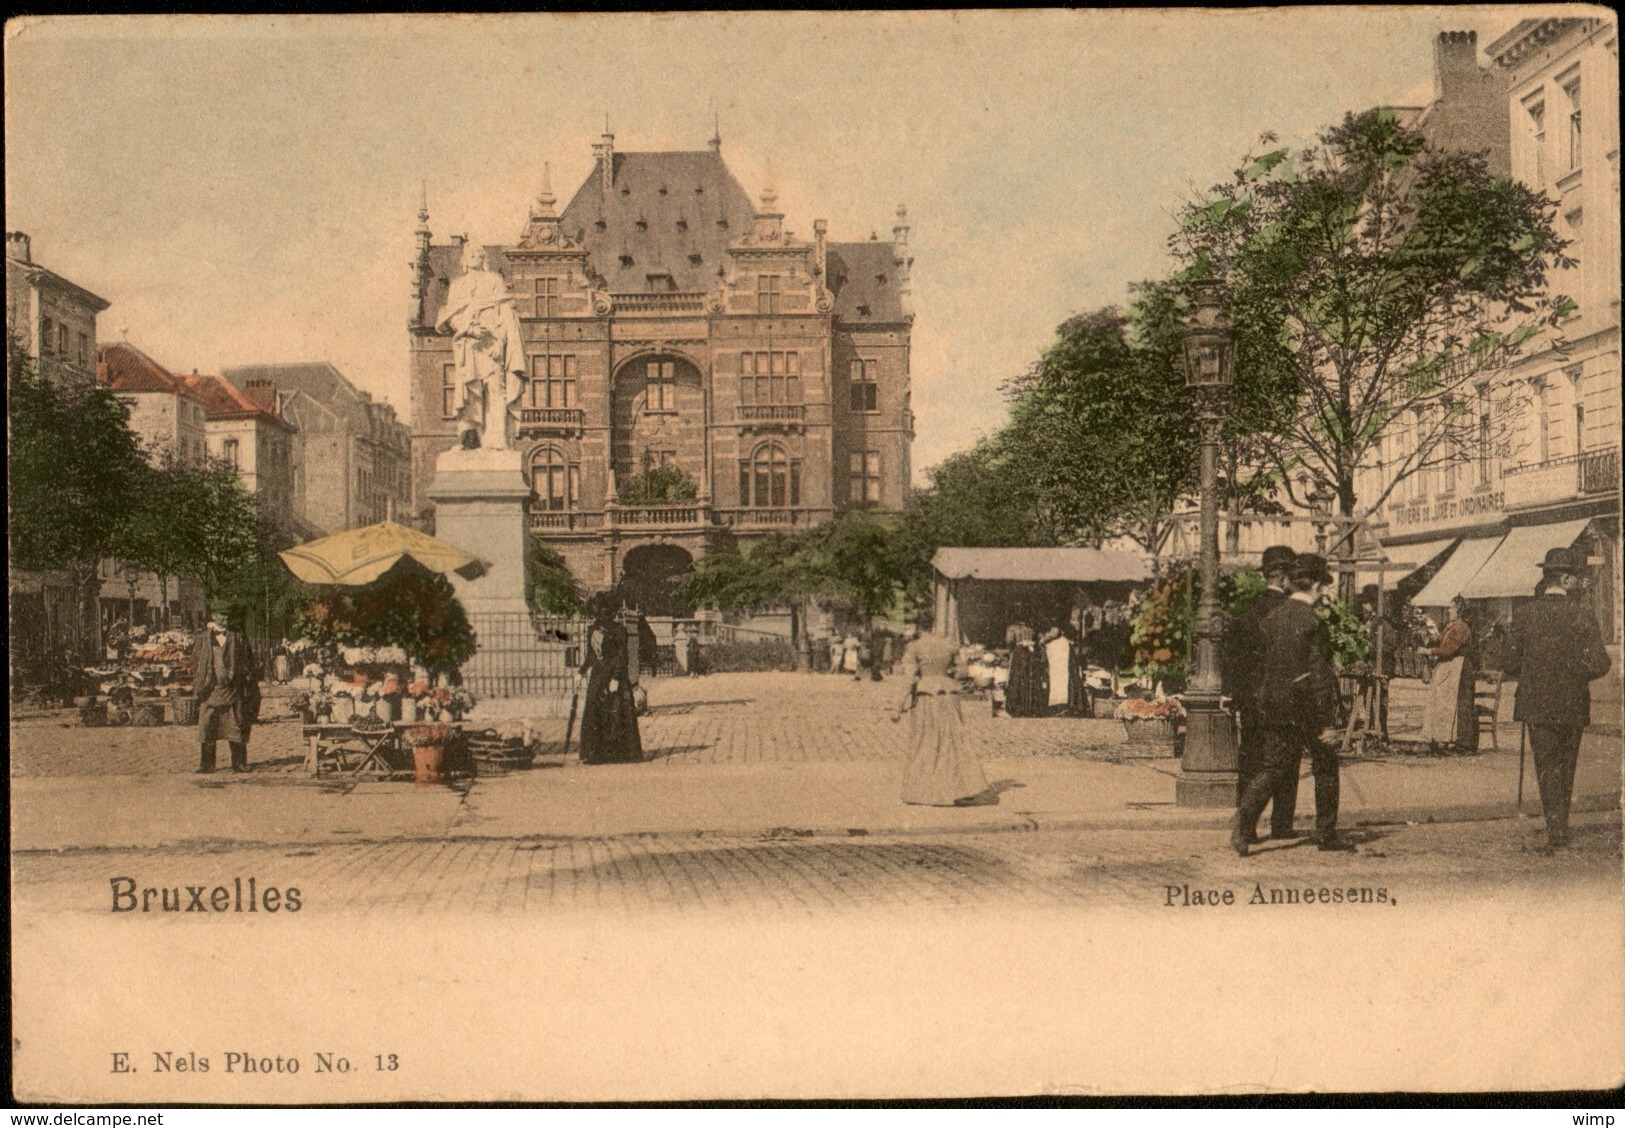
[1208,347]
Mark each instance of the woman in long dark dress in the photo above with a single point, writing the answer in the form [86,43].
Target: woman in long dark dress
[609,720]
[1027,692]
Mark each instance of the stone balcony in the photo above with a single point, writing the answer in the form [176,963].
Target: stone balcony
[798,517]
[672,304]
[771,416]
[1592,473]
[678,515]
[564,521]
[549,421]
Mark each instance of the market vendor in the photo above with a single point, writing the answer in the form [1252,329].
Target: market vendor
[226,684]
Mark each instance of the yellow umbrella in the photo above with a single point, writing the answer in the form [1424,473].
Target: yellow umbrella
[359,556]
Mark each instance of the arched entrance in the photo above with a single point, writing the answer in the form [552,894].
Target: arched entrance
[650,574]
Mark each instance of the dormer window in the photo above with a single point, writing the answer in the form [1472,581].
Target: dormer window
[626,190]
[626,260]
[660,283]
[662,189]
[863,311]
[699,190]
[643,225]
[600,226]
[722,224]
[880,279]
[694,259]
[682,225]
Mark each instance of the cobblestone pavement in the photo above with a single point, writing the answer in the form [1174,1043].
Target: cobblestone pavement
[721,719]
[797,876]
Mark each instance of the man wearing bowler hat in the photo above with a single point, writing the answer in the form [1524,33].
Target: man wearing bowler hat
[1295,698]
[226,683]
[1240,656]
[1555,653]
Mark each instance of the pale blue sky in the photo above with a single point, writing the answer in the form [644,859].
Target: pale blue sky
[244,189]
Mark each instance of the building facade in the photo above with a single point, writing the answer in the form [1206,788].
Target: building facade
[245,430]
[670,323]
[51,319]
[349,462]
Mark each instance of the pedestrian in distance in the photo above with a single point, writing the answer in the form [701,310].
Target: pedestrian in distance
[1296,698]
[941,770]
[1240,654]
[226,683]
[1555,652]
[609,719]
[1451,720]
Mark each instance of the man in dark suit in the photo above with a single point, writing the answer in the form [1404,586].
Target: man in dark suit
[1295,697]
[1555,652]
[1240,653]
[226,683]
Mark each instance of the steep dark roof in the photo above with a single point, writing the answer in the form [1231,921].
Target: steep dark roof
[681,200]
[863,278]
[125,368]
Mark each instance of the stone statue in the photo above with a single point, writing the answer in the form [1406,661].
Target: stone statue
[490,357]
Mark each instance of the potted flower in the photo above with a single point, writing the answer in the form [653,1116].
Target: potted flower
[429,742]
[1151,720]
[459,702]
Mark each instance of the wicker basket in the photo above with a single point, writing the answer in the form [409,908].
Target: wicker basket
[93,715]
[147,714]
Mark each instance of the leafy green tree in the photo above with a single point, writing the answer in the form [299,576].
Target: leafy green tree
[74,470]
[550,587]
[658,485]
[1373,282]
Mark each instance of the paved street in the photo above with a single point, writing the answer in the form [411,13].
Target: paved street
[1106,868]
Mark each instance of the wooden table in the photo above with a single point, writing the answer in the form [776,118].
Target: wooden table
[338,742]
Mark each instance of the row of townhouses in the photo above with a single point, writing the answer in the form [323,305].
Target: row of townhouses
[319,454]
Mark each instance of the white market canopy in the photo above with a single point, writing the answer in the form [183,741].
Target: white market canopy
[1042,565]
[1514,570]
[1456,572]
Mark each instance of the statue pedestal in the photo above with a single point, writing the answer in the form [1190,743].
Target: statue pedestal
[479,498]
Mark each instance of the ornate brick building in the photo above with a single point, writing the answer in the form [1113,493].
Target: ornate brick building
[669,322]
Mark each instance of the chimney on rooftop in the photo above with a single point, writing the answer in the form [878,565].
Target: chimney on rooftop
[1455,60]
[605,152]
[17,246]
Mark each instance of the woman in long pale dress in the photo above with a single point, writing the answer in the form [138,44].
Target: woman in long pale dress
[940,771]
[1451,719]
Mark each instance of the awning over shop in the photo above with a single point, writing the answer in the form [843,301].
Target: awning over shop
[1457,572]
[1514,570]
[1405,559]
[1041,565]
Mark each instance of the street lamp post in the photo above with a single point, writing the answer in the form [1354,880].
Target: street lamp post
[1208,774]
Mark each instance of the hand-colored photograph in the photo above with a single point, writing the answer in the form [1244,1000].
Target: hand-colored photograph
[814,555]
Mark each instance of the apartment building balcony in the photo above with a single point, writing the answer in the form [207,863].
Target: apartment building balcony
[1577,477]
[751,518]
[669,304]
[535,421]
[771,416]
[678,516]
[564,521]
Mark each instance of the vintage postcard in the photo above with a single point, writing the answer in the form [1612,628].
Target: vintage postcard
[845,555]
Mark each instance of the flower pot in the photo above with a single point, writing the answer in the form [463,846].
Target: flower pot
[307,716]
[343,710]
[409,709]
[387,709]
[428,763]
[1151,736]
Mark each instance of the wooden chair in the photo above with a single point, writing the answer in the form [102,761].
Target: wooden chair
[1487,705]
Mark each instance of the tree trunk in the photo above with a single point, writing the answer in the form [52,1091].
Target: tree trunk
[797,630]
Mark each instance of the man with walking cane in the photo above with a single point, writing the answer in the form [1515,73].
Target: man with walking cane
[1555,653]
